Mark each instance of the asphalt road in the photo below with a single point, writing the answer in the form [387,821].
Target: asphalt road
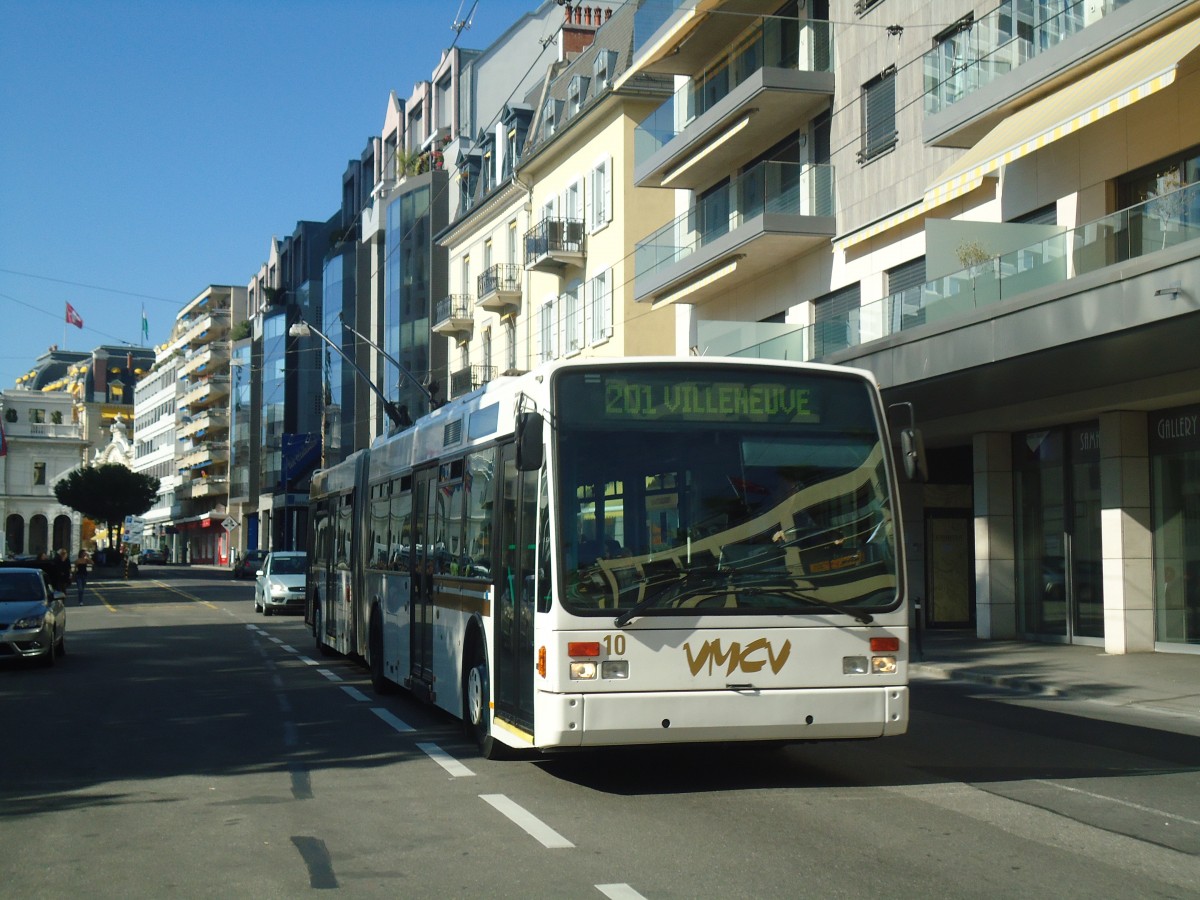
[186,747]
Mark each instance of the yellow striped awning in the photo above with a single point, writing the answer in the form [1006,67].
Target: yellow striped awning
[1091,98]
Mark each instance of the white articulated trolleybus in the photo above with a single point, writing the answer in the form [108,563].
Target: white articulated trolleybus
[628,551]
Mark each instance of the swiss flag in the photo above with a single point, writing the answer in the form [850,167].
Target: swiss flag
[74,318]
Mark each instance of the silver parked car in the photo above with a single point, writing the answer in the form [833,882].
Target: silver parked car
[33,618]
[279,584]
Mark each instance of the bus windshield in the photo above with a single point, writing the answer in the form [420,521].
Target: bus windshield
[705,489]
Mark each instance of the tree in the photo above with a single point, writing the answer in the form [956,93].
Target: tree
[107,494]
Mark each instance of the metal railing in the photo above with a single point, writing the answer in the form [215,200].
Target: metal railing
[500,277]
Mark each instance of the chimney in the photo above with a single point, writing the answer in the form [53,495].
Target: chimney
[579,29]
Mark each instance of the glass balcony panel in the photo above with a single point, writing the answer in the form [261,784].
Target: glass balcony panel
[773,187]
[1001,40]
[774,43]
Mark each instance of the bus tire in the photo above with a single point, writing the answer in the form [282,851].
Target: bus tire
[319,630]
[380,683]
[477,715]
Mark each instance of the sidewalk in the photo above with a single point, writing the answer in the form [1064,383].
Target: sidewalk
[1165,682]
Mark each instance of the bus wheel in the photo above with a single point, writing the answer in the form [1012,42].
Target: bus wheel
[379,680]
[478,715]
[319,630]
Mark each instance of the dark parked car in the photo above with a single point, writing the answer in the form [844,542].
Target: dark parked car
[248,565]
[153,555]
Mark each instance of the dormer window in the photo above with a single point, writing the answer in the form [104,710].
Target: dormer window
[603,68]
[550,114]
[576,93]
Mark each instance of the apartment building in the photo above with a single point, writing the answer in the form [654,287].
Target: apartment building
[40,442]
[200,341]
[539,258]
[154,451]
[287,386]
[993,208]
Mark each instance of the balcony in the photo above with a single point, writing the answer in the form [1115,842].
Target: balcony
[552,245]
[780,75]
[1121,283]
[969,81]
[203,456]
[772,212]
[209,420]
[469,378]
[208,328]
[499,289]
[63,430]
[213,356]
[204,486]
[453,317]
[674,37]
[209,392]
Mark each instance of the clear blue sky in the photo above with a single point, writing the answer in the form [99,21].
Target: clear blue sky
[149,149]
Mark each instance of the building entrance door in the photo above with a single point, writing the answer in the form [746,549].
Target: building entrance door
[1059,582]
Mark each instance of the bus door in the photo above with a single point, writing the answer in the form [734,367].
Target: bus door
[421,604]
[513,654]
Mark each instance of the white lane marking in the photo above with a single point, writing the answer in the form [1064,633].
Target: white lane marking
[253,627]
[332,676]
[445,760]
[619,892]
[290,735]
[273,639]
[289,648]
[355,693]
[308,661]
[1137,806]
[276,680]
[535,827]
[400,726]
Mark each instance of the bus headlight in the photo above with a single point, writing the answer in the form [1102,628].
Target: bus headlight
[582,671]
[883,665]
[854,665]
[614,668]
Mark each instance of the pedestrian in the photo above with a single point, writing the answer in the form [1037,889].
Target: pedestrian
[81,569]
[60,571]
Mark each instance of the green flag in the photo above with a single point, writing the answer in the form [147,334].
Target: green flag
[145,326]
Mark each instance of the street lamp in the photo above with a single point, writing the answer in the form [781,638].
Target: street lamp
[303,329]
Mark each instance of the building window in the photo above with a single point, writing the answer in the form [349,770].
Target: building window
[602,69]
[878,115]
[576,93]
[39,473]
[600,302]
[835,320]
[572,318]
[510,343]
[600,195]
[546,332]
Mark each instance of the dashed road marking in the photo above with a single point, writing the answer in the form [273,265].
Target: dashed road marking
[619,892]
[399,725]
[535,827]
[445,760]
[355,693]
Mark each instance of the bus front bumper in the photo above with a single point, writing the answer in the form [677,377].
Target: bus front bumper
[813,714]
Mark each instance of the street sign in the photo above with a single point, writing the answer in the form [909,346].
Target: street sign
[230,523]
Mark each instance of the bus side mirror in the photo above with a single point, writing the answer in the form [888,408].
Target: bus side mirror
[529,441]
[912,449]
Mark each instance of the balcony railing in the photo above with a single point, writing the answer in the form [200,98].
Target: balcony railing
[554,240]
[499,287]
[1157,224]
[451,308]
[769,187]
[774,43]
[469,378]
[999,41]
[44,429]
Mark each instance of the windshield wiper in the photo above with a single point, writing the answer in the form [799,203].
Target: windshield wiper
[793,594]
[651,599]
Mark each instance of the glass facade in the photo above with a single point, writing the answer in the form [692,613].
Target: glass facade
[274,397]
[1175,512]
[407,288]
[241,405]
[339,383]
